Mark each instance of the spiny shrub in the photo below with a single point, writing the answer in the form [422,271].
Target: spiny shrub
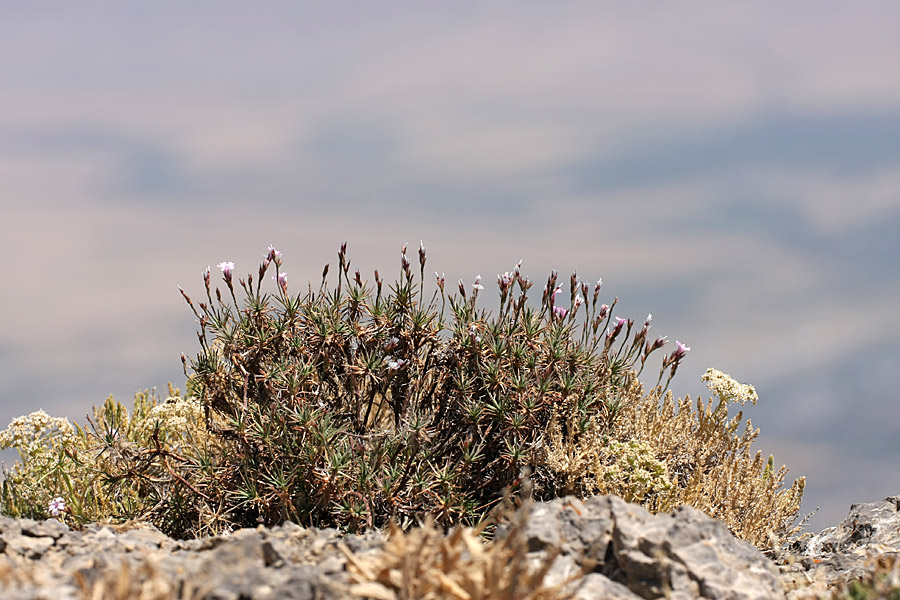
[354,405]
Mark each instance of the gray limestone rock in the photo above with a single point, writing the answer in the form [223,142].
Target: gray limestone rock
[632,553]
[841,553]
[608,548]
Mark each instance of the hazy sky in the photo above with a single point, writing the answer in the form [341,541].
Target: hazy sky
[732,168]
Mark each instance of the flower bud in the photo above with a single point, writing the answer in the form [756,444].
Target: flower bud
[281,278]
[579,300]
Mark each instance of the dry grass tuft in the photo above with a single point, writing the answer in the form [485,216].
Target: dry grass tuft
[426,564]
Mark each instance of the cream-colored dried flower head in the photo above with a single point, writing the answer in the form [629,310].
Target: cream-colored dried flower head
[178,418]
[36,434]
[634,472]
[727,389]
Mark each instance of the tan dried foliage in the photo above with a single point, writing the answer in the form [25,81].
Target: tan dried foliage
[426,564]
[708,464]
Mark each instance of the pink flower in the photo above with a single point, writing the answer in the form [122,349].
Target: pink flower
[56,506]
[477,285]
[559,312]
[227,267]
[272,253]
[680,351]
[282,281]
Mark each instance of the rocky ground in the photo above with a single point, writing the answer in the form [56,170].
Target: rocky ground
[626,553]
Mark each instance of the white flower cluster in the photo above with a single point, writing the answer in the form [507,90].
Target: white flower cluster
[37,435]
[42,442]
[176,417]
[726,388]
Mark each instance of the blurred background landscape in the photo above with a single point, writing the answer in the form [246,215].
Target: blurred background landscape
[733,169]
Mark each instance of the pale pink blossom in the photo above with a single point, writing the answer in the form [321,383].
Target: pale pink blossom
[272,253]
[227,268]
[56,506]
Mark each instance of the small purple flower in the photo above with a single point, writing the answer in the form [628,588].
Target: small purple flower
[440,280]
[272,253]
[227,267]
[282,281]
[604,310]
[56,506]
[559,312]
[579,300]
[680,351]
[620,322]
[477,285]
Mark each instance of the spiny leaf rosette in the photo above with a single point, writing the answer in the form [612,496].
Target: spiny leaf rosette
[353,405]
